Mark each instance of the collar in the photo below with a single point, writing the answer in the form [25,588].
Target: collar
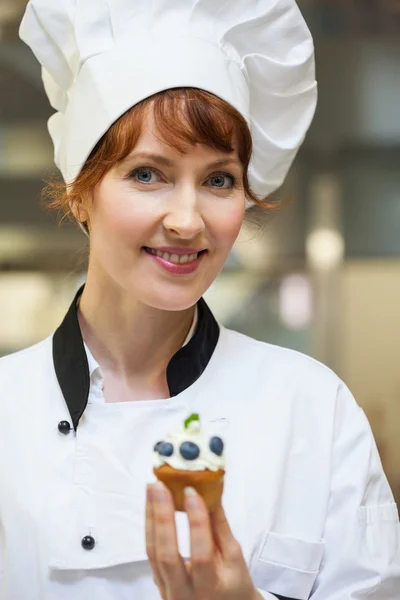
[72,368]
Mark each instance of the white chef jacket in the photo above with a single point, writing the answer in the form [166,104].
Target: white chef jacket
[305,492]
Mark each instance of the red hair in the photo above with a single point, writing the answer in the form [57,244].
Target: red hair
[183,117]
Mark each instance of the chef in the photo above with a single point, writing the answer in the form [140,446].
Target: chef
[171,117]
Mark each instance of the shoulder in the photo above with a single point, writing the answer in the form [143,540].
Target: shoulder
[282,362]
[298,386]
[14,367]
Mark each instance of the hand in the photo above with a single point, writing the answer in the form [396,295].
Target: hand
[217,570]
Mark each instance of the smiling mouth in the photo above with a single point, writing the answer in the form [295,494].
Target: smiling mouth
[178,259]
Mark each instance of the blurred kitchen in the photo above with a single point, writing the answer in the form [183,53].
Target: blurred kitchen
[321,275]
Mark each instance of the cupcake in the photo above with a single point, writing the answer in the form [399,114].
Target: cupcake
[188,458]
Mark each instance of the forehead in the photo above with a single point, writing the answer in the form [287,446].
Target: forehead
[150,135]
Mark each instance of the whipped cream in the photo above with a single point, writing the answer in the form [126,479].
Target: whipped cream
[206,459]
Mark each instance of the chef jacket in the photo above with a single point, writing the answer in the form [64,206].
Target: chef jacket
[305,492]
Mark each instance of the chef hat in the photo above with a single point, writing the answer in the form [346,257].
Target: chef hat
[101,57]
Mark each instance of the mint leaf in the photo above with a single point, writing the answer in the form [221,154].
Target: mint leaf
[193,417]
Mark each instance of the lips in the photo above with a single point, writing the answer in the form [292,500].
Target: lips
[176,261]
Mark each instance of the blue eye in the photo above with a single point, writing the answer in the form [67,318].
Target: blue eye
[222,181]
[145,175]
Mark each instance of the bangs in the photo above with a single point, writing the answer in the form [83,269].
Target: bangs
[183,117]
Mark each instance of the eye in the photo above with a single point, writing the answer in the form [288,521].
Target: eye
[222,181]
[145,175]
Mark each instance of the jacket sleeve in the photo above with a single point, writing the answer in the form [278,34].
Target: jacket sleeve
[362,530]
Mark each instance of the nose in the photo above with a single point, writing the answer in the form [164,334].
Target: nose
[183,217]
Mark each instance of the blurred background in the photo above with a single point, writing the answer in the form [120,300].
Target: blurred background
[321,276]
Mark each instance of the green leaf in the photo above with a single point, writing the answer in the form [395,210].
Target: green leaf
[193,417]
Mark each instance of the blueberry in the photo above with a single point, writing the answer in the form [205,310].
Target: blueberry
[189,450]
[166,449]
[158,446]
[216,445]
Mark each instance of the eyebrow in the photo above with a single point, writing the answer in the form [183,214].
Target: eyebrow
[163,160]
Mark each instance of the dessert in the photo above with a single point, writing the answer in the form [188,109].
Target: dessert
[189,458]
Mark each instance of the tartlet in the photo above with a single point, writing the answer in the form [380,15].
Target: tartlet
[189,458]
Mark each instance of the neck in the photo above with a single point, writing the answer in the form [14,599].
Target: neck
[127,337]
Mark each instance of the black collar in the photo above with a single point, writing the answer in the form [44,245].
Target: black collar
[72,369]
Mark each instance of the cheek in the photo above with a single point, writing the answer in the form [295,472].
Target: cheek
[228,226]
[125,225]
[123,218]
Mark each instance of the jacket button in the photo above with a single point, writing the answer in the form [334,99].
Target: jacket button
[88,543]
[64,427]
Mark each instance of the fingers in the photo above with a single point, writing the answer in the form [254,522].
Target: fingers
[226,542]
[150,540]
[203,555]
[168,562]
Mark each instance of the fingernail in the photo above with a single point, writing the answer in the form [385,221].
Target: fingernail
[159,492]
[191,497]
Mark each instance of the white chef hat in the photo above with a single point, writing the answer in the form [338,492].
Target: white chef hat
[101,57]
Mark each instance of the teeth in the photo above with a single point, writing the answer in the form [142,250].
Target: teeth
[174,258]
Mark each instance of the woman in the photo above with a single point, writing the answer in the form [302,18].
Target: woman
[154,102]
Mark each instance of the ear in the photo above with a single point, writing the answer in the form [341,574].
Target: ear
[79,211]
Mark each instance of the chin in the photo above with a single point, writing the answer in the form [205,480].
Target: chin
[173,302]
[174,298]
